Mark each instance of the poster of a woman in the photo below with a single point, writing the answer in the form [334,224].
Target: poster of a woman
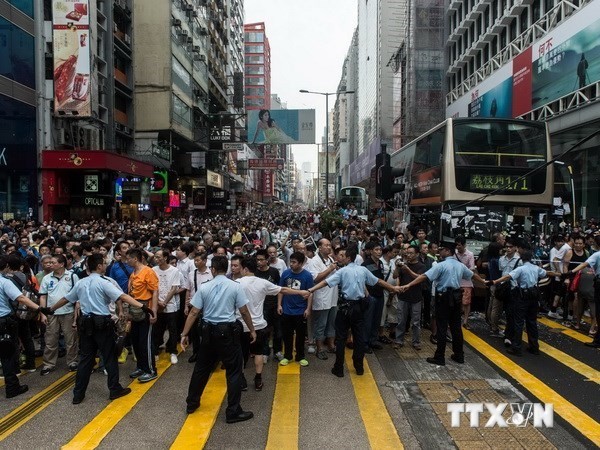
[271,132]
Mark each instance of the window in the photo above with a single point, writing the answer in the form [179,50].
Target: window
[24,5]
[255,81]
[16,54]
[255,102]
[255,48]
[181,77]
[182,113]
[252,91]
[429,151]
[255,59]
[254,36]
[255,70]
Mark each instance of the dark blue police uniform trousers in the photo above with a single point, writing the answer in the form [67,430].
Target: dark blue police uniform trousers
[448,309]
[353,318]
[10,362]
[228,350]
[102,341]
[524,308]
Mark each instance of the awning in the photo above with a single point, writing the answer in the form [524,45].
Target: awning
[95,159]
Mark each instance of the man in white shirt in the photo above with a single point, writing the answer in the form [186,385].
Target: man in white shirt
[256,289]
[55,286]
[324,306]
[274,260]
[170,282]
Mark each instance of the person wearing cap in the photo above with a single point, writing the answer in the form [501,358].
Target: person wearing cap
[448,301]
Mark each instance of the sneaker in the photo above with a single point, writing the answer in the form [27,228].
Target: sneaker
[303,362]
[136,373]
[73,367]
[322,355]
[148,377]
[284,362]
[507,343]
[123,356]
[258,384]
[46,370]
[174,359]
[554,315]
[279,356]
[312,349]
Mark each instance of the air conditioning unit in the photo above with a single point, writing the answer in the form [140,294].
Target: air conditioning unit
[202,58]
[203,31]
[128,39]
[79,137]
[118,126]
[195,14]
[196,49]
[64,137]
[184,32]
[189,7]
[190,40]
[176,22]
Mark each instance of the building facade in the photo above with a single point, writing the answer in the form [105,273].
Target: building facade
[257,67]
[533,60]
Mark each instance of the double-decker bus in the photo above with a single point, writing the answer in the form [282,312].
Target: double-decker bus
[357,197]
[451,168]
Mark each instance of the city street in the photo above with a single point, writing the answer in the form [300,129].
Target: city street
[401,400]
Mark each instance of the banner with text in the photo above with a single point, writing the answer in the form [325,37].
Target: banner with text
[281,126]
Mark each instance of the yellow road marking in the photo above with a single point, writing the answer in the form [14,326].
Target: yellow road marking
[35,405]
[91,435]
[569,332]
[38,362]
[573,415]
[285,416]
[381,431]
[196,429]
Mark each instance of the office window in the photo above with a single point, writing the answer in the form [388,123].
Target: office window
[24,5]
[255,48]
[255,70]
[16,54]
[252,36]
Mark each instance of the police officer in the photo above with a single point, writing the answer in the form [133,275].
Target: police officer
[524,302]
[9,334]
[220,334]
[352,304]
[95,326]
[448,301]
[594,262]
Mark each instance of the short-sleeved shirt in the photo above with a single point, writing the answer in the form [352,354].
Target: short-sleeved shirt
[527,275]
[120,272]
[94,294]
[143,284]
[8,293]
[272,275]
[468,259]
[327,297]
[352,280]
[219,299]
[256,289]
[448,274]
[594,262]
[295,305]
[166,280]
[56,288]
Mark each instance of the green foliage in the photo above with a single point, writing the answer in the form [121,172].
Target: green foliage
[330,220]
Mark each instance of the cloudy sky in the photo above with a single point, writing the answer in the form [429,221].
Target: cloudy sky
[309,41]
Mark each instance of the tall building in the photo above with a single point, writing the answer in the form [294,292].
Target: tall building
[257,67]
[533,60]
[18,142]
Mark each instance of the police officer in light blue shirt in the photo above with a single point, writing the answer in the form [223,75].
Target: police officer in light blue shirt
[96,328]
[352,280]
[448,301]
[220,334]
[594,262]
[524,303]
[9,334]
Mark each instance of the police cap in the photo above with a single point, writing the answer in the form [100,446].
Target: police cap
[448,245]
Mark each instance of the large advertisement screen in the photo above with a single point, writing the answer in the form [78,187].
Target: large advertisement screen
[562,61]
[281,126]
[71,36]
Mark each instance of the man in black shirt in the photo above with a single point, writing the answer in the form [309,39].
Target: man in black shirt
[411,300]
[270,306]
[373,253]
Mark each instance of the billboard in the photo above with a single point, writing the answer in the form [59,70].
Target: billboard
[281,126]
[274,164]
[71,40]
[562,61]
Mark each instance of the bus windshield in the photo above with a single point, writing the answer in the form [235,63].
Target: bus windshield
[356,197]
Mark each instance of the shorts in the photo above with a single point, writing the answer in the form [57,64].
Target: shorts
[467,295]
[558,288]
[256,347]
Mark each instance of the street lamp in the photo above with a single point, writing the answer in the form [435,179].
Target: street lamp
[326,94]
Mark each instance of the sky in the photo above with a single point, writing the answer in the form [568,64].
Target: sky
[309,41]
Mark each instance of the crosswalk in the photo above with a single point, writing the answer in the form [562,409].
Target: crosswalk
[303,406]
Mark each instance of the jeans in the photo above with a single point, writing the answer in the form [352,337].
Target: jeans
[415,314]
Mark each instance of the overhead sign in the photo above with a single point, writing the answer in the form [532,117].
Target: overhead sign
[269,164]
[71,40]
[281,126]
[233,146]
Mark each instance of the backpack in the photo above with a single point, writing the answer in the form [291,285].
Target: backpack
[23,312]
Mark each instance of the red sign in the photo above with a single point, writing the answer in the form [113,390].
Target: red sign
[266,164]
[268,182]
[95,159]
[522,83]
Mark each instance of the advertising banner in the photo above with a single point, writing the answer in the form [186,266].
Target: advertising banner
[281,126]
[71,36]
[268,182]
[159,183]
[273,164]
[214,179]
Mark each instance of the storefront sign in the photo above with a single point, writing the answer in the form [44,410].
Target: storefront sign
[93,201]
[159,183]
[71,38]
[214,179]
[271,164]
[90,183]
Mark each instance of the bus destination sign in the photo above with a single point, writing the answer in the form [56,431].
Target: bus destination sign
[512,183]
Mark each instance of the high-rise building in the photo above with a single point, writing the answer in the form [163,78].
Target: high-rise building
[533,60]
[257,67]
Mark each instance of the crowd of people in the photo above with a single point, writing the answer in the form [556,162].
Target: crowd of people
[268,287]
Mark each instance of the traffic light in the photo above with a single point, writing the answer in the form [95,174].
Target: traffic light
[385,174]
